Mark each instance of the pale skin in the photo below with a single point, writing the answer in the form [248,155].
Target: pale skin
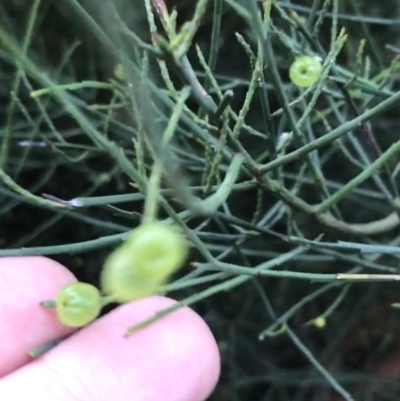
[174,359]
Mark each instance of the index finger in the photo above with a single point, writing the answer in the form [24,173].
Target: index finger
[24,325]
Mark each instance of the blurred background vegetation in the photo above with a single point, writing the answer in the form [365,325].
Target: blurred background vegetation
[281,338]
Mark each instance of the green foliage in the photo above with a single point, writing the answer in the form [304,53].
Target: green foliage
[118,113]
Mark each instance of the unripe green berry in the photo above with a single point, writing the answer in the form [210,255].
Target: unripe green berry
[140,267]
[77,304]
[320,322]
[305,70]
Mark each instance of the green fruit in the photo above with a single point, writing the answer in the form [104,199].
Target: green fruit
[305,70]
[119,72]
[140,267]
[77,304]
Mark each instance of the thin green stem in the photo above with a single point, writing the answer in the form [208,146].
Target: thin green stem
[214,45]
[363,176]
[333,135]
[226,285]
[17,81]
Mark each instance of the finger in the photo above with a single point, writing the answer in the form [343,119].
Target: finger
[24,325]
[174,359]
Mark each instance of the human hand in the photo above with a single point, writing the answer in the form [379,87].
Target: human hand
[175,358]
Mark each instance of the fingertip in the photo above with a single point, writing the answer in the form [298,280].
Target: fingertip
[188,354]
[175,358]
[24,325]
